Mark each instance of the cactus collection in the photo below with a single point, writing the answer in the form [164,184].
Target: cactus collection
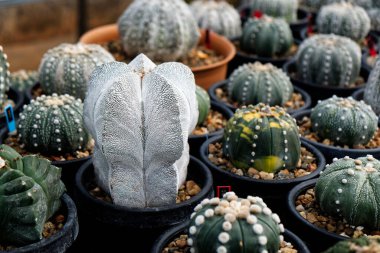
[263,137]
[232,224]
[30,188]
[204,104]
[4,77]
[22,79]
[372,88]
[286,9]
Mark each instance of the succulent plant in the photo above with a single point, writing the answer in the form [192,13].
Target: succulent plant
[315,5]
[204,104]
[263,137]
[30,188]
[266,37]
[361,244]
[164,30]
[374,15]
[329,60]
[140,116]
[344,121]
[286,9]
[218,16]
[344,19]
[22,79]
[232,224]
[349,188]
[4,77]
[254,83]
[53,125]
[65,69]
[372,88]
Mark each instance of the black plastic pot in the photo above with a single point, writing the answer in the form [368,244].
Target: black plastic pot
[320,92]
[18,98]
[63,239]
[330,152]
[316,238]
[175,232]
[212,93]
[195,141]
[273,192]
[111,227]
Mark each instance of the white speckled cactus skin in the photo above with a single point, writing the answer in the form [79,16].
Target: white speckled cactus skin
[66,68]
[23,79]
[329,59]
[374,15]
[286,9]
[4,77]
[164,30]
[140,116]
[372,88]
[344,19]
[218,16]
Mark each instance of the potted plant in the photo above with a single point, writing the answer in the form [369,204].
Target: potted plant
[364,243]
[36,214]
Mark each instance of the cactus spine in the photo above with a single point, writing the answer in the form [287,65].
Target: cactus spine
[4,77]
[22,80]
[204,104]
[372,88]
[286,9]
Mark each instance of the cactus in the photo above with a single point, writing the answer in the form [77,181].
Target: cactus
[361,244]
[266,37]
[349,188]
[344,121]
[140,116]
[22,80]
[53,125]
[344,19]
[232,224]
[254,83]
[4,78]
[204,104]
[218,16]
[315,5]
[164,30]
[30,188]
[286,9]
[263,137]
[372,88]
[329,60]
[65,69]
[374,15]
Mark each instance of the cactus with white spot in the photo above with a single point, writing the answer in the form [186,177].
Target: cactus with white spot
[372,88]
[22,79]
[328,60]
[286,9]
[53,125]
[349,188]
[374,15]
[164,30]
[30,188]
[344,19]
[344,121]
[4,78]
[204,104]
[266,37]
[263,137]
[140,116]
[218,16]
[235,225]
[254,83]
[65,69]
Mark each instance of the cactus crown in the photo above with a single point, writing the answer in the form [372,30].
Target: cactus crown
[372,88]
[4,77]
[22,79]
[286,9]
[234,225]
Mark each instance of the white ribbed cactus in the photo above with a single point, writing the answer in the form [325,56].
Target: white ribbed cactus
[286,9]
[218,16]
[164,30]
[140,116]
[372,88]
[4,77]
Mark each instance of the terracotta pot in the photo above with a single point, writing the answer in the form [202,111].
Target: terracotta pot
[205,76]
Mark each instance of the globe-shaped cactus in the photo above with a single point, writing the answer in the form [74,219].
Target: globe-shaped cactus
[22,79]
[218,16]
[232,224]
[164,30]
[286,9]
[204,104]
[349,188]
[263,137]
[255,83]
[30,188]
[266,37]
[65,69]
[329,60]
[361,244]
[4,77]
[53,125]
[372,88]
[374,15]
[344,121]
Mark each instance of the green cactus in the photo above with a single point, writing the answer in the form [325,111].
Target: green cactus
[65,69]
[22,80]
[374,15]
[286,9]
[255,83]
[266,37]
[204,104]
[4,78]
[232,224]
[344,121]
[372,88]
[263,137]
[361,244]
[53,125]
[328,60]
[164,30]
[30,188]
[349,188]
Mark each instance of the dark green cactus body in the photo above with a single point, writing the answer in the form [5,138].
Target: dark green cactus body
[22,80]
[286,9]
[372,88]
[204,104]
[329,60]
[350,188]
[361,244]
[259,83]
[53,125]
[262,137]
[4,77]
[30,188]
[266,37]
[234,225]
[344,121]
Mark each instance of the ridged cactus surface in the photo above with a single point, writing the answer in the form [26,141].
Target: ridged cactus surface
[22,79]
[372,88]
[4,77]
[204,104]
[286,9]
